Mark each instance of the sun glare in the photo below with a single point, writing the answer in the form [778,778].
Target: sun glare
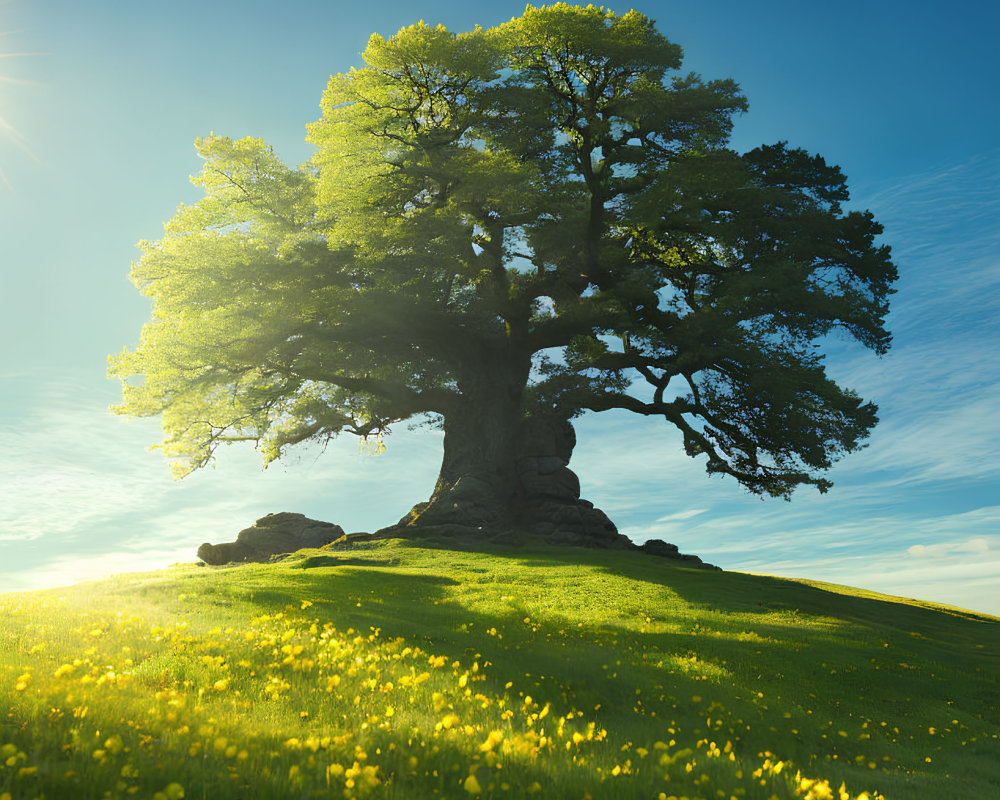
[7,129]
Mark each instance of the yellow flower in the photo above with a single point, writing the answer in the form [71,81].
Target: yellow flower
[821,791]
[448,721]
[471,785]
[494,738]
[221,685]
[174,791]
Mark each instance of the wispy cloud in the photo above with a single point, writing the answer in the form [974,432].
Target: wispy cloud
[681,515]
[943,228]
[978,546]
[67,462]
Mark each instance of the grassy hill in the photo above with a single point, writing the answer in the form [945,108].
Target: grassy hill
[405,670]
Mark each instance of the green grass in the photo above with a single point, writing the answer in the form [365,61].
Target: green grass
[404,670]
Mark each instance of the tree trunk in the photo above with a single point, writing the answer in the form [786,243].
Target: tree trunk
[477,484]
[506,473]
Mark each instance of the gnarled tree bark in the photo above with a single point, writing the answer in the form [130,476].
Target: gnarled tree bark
[504,471]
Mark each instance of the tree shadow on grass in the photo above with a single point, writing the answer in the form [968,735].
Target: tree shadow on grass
[312,562]
[815,652]
[738,592]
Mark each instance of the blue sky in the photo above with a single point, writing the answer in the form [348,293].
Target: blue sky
[100,103]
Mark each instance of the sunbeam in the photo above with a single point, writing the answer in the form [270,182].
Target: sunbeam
[9,131]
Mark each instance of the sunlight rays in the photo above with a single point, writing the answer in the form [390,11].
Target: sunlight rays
[7,129]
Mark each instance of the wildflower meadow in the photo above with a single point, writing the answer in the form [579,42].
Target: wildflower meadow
[404,670]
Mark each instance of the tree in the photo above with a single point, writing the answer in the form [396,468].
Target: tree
[501,230]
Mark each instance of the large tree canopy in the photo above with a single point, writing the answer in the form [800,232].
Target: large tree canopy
[510,226]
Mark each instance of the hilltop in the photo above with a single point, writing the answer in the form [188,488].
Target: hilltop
[411,669]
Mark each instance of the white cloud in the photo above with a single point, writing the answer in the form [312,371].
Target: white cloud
[979,546]
[682,515]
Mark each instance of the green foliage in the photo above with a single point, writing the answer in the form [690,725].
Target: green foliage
[542,673]
[550,188]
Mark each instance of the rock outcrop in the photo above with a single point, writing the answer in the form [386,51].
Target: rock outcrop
[658,547]
[275,534]
[551,508]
